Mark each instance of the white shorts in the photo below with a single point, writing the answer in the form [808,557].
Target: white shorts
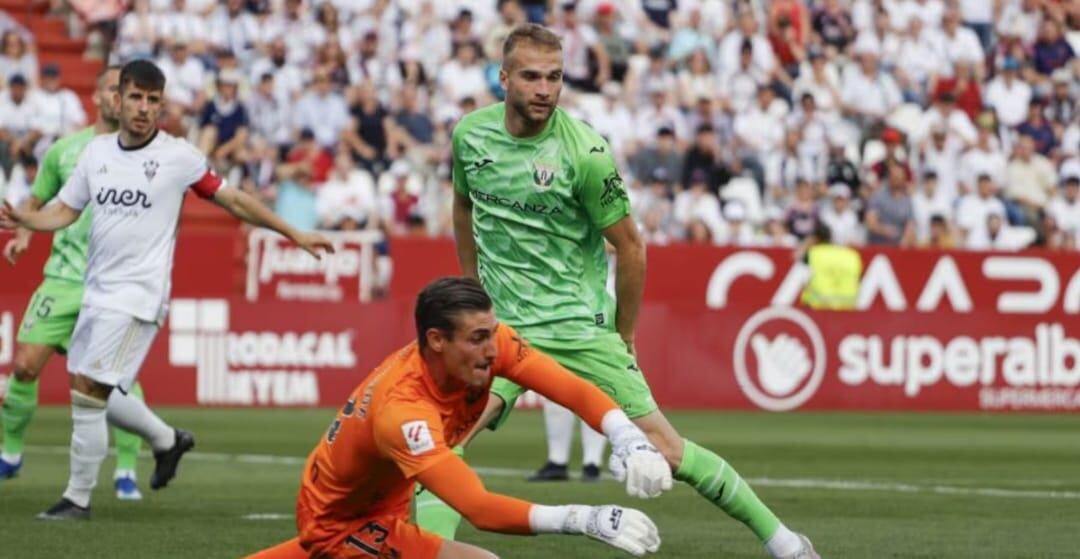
[109,347]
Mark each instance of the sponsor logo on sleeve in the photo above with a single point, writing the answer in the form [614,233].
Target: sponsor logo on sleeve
[418,437]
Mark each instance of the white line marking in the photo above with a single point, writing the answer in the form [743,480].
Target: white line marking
[267,516]
[830,484]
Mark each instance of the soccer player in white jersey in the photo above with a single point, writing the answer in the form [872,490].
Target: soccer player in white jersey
[134,181]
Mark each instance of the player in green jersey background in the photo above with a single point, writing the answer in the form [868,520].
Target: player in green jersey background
[536,195]
[50,317]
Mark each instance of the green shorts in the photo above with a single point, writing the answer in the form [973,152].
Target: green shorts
[50,318]
[604,361]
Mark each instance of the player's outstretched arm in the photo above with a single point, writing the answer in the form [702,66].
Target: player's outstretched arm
[50,218]
[633,458]
[248,209]
[457,485]
[16,246]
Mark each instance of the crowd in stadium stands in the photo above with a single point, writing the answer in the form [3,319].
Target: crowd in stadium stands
[940,123]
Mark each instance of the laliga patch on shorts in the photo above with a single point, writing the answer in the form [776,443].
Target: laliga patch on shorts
[418,437]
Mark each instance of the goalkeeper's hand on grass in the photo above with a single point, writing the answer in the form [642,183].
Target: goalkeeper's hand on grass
[627,529]
[637,462]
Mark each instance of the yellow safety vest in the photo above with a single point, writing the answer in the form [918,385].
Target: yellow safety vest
[834,277]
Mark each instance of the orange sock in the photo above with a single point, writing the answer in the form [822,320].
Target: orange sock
[285,550]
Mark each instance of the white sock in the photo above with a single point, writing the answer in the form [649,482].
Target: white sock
[783,543]
[89,445]
[559,422]
[132,414]
[11,458]
[592,445]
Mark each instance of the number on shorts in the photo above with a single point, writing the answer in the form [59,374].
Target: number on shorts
[44,307]
[369,538]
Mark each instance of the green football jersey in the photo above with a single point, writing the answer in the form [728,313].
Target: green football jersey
[539,206]
[67,261]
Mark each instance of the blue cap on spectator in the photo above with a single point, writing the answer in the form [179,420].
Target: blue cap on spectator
[50,70]
[1010,63]
[16,79]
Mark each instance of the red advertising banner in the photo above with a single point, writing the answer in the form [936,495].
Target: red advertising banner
[278,269]
[719,329]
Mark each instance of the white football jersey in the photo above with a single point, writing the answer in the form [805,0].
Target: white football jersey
[136,195]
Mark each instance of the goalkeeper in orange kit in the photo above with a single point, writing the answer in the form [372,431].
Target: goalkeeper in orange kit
[398,427]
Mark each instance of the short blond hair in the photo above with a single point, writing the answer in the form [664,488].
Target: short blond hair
[531,33]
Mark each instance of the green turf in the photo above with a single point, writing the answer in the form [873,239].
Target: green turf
[201,514]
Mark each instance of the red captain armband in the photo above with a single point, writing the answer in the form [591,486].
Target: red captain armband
[208,184]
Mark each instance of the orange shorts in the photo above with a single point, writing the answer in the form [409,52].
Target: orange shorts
[388,536]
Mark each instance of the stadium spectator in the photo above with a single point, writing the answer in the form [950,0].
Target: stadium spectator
[17,58]
[1008,94]
[269,115]
[802,216]
[841,218]
[347,200]
[185,77]
[366,133]
[1065,207]
[288,79]
[868,93]
[612,39]
[759,133]
[224,125]
[1039,129]
[401,206]
[1001,236]
[1051,51]
[929,200]
[60,111]
[704,157]
[410,131]
[833,24]
[974,208]
[940,236]
[984,158]
[889,214]
[939,155]
[739,231]
[1030,183]
[586,66]
[698,205]
[178,25]
[663,153]
[19,109]
[322,110]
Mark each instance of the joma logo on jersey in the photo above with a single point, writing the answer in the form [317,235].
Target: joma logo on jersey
[543,175]
[127,197]
[542,209]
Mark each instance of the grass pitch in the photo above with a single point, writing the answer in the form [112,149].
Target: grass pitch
[861,485]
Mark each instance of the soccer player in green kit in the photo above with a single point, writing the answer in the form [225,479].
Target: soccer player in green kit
[536,195]
[50,318]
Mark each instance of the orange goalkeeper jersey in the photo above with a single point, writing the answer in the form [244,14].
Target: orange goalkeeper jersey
[397,424]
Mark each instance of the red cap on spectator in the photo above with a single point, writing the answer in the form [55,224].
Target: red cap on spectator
[891,136]
[605,8]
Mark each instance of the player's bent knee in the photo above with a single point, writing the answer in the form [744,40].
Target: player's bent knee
[458,550]
[29,362]
[90,388]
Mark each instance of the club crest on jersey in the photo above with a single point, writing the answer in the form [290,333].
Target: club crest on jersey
[150,168]
[543,175]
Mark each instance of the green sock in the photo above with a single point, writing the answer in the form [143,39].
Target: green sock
[717,481]
[432,514]
[19,405]
[127,444]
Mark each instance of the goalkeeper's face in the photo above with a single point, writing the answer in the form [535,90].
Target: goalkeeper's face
[469,351]
[532,76]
